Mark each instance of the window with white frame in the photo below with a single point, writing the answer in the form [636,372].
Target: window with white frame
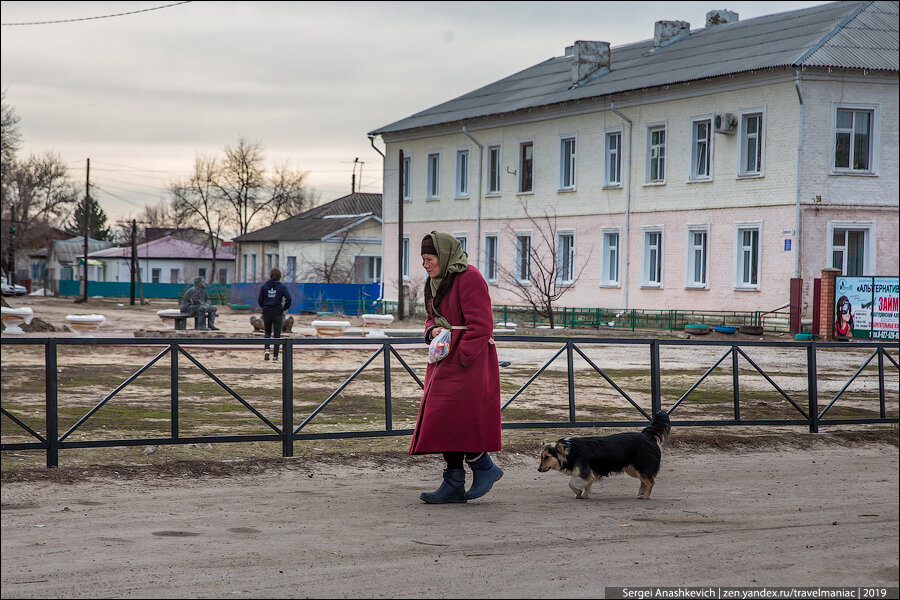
[565,258]
[407,176]
[433,180]
[223,276]
[748,257]
[493,170]
[174,275]
[526,167]
[253,269]
[698,256]
[202,273]
[462,173]
[291,271]
[752,138]
[656,154]
[490,257]
[653,257]
[523,257]
[372,269]
[610,265]
[853,139]
[701,149]
[405,263]
[613,158]
[567,163]
[849,253]
[155,275]
[463,239]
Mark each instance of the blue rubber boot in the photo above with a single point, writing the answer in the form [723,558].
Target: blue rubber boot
[485,474]
[453,488]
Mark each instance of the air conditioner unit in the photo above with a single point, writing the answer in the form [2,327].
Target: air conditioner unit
[725,123]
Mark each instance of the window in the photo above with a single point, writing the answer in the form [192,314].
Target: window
[656,154]
[523,258]
[155,275]
[434,175]
[853,140]
[202,271]
[271,262]
[653,253]
[244,265]
[490,257]
[174,275]
[697,257]
[493,170]
[701,154]
[848,251]
[405,257]
[462,173]
[567,163]
[223,276]
[407,174]
[752,135]
[565,258]
[253,266]
[613,158]
[291,270]
[610,265]
[373,269]
[748,257]
[526,167]
[463,239]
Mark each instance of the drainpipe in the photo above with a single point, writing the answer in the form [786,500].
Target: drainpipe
[799,163]
[372,141]
[478,209]
[626,260]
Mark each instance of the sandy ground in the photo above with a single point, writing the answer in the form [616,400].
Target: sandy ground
[354,527]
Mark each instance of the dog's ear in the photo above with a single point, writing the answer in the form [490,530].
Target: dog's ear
[562,449]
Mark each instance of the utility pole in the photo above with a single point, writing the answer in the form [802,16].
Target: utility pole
[133,256]
[87,218]
[400,241]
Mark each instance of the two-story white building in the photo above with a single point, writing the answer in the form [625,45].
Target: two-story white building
[700,169]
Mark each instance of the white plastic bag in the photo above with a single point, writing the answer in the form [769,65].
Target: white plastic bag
[439,347]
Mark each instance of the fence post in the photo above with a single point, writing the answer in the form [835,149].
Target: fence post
[813,389]
[881,381]
[388,407]
[52,397]
[173,385]
[287,398]
[735,383]
[655,394]
[571,369]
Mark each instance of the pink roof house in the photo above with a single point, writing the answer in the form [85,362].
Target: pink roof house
[167,260]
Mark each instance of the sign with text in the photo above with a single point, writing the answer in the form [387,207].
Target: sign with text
[867,307]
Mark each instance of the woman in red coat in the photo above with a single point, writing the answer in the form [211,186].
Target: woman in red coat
[460,411]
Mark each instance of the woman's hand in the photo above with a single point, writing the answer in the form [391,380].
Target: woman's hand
[435,331]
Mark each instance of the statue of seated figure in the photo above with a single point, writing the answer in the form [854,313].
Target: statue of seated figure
[196,303]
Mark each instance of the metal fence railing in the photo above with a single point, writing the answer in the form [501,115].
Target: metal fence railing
[804,408]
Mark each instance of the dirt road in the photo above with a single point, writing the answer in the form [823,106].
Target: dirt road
[824,516]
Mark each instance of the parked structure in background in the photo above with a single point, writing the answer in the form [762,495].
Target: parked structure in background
[335,242]
[703,168]
[65,261]
[165,260]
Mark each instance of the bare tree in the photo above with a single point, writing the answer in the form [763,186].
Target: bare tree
[196,199]
[289,194]
[538,280]
[334,270]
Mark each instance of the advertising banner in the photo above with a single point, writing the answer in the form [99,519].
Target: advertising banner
[867,307]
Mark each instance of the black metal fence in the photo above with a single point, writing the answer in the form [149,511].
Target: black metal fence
[806,412]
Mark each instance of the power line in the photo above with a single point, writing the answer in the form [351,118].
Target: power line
[134,12]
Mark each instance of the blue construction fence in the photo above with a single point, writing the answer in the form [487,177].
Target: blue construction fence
[341,298]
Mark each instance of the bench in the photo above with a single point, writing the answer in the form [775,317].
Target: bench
[181,321]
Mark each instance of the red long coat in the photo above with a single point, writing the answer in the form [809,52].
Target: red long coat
[460,410]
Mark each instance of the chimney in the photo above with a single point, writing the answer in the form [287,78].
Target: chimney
[720,17]
[591,58]
[667,32]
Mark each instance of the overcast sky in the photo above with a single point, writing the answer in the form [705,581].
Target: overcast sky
[142,94]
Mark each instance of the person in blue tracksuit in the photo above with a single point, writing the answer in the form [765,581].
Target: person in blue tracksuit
[275,300]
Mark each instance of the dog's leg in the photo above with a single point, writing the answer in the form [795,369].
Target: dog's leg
[646,488]
[581,489]
[630,470]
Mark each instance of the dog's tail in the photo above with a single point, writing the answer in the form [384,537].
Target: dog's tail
[659,427]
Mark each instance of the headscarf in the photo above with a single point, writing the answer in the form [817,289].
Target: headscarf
[451,259]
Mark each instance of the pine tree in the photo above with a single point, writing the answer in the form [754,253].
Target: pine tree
[97,227]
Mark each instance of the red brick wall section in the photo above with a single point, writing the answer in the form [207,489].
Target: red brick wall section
[826,305]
